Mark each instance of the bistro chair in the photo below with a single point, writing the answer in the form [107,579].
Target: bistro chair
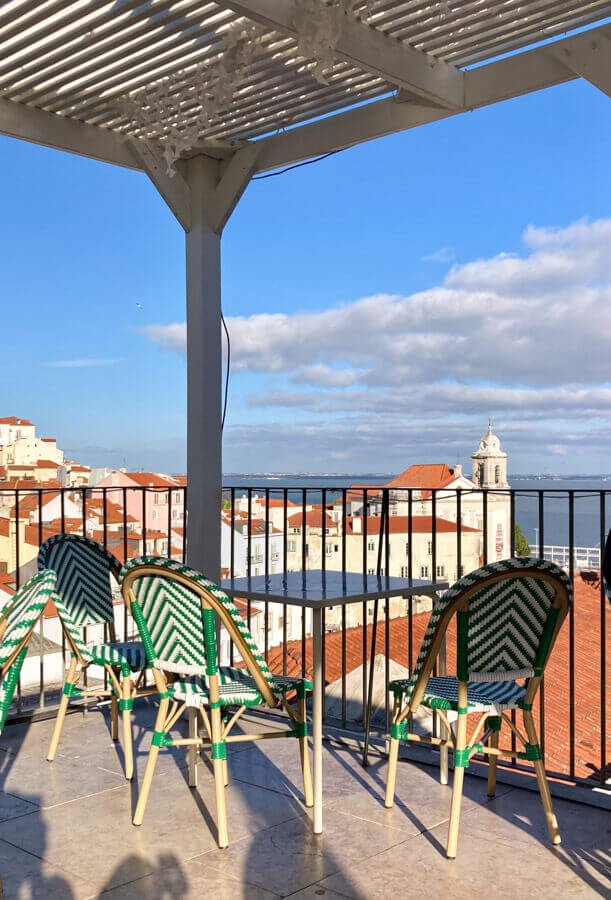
[508,615]
[84,572]
[176,609]
[17,621]
[18,617]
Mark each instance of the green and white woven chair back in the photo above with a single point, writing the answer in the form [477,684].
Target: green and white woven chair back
[172,622]
[169,617]
[506,621]
[29,602]
[26,609]
[84,571]
[507,625]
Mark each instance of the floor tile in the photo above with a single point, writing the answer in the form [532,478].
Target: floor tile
[28,876]
[290,856]
[190,879]
[503,851]
[179,821]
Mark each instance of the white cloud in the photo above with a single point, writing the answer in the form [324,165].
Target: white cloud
[80,363]
[540,319]
[325,375]
[521,337]
[443,255]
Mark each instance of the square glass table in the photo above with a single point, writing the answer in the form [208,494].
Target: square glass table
[317,590]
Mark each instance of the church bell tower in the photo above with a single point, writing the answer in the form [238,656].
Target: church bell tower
[490,463]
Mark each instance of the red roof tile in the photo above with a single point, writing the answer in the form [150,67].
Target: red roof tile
[429,475]
[400,525]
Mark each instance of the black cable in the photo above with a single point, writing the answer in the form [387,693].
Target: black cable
[307,162]
[227,373]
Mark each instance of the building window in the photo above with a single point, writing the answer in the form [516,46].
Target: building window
[371,545]
[290,546]
[481,474]
[497,475]
[370,571]
[407,548]
[429,547]
[404,572]
[424,571]
[441,571]
[461,571]
[328,549]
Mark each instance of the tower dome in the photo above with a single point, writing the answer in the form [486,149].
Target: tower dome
[489,462]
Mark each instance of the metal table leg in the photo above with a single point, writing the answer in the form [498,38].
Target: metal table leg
[317,708]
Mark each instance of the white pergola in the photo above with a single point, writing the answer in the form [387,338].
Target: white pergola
[66,67]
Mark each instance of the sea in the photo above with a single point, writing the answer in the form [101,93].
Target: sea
[588,521]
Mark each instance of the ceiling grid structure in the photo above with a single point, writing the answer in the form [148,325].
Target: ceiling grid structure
[79,60]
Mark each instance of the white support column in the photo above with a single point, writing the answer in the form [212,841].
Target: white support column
[204,376]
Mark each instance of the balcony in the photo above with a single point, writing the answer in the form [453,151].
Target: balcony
[67,831]
[51,812]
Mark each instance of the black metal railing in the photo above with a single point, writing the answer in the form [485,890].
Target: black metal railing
[437,534]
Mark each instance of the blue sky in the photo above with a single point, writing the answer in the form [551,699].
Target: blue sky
[418,219]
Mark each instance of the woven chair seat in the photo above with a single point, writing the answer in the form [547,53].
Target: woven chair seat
[120,653]
[236,688]
[482,696]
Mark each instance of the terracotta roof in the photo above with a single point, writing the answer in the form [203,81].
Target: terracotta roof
[46,464]
[313,519]
[275,503]
[49,440]
[588,669]
[151,479]
[23,484]
[13,420]
[400,525]
[5,527]
[429,475]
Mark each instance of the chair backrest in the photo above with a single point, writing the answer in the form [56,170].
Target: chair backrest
[174,608]
[26,608]
[25,611]
[84,569]
[508,615]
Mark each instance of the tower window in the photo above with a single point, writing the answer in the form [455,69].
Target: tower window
[497,474]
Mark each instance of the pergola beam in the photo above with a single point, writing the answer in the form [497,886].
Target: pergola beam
[39,127]
[371,50]
[513,76]
[588,55]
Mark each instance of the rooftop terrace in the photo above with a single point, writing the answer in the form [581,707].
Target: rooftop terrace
[66,826]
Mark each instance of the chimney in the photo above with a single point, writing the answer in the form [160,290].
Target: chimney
[356,525]
[457,470]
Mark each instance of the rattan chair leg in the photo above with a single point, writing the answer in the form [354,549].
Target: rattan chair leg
[391,776]
[114,717]
[192,752]
[126,689]
[71,677]
[492,764]
[219,776]
[546,797]
[150,763]
[304,752]
[459,773]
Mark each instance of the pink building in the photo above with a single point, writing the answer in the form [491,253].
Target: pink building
[150,493]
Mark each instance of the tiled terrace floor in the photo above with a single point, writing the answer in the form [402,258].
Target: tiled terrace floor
[65,828]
